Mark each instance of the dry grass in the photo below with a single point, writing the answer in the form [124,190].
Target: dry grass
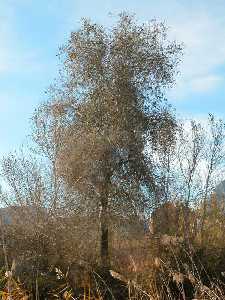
[151,268]
[161,282]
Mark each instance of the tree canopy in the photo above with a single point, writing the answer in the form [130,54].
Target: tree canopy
[111,114]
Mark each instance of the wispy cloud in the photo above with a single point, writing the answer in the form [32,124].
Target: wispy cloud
[198,24]
[31,31]
[207,83]
[203,36]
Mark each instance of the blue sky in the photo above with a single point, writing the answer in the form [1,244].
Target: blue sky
[31,32]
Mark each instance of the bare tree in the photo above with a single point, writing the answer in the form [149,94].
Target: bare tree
[214,160]
[190,150]
[197,160]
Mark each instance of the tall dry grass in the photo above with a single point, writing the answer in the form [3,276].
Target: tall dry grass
[57,262]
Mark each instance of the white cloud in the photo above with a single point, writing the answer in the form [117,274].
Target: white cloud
[198,24]
[203,35]
[206,83]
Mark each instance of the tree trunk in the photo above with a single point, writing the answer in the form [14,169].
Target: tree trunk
[104,228]
[104,221]
[187,225]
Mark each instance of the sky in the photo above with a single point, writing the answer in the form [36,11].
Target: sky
[32,31]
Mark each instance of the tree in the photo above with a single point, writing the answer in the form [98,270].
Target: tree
[167,219]
[189,155]
[196,164]
[214,223]
[113,115]
[214,157]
